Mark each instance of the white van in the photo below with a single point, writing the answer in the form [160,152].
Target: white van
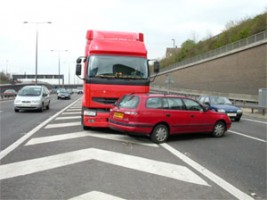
[34,97]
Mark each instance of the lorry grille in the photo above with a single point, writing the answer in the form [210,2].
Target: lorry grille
[105,100]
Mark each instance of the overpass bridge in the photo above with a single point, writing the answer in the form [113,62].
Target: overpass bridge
[18,86]
[237,71]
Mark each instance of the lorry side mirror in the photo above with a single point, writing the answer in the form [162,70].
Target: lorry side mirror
[79,60]
[156,67]
[78,69]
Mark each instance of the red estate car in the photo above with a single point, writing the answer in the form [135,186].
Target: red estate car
[9,93]
[159,116]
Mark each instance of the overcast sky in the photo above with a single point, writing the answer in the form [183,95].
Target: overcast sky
[159,20]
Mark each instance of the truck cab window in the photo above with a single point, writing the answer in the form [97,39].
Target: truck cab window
[101,66]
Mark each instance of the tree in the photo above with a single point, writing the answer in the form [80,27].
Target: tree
[5,78]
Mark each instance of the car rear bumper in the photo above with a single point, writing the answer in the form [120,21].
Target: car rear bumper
[143,129]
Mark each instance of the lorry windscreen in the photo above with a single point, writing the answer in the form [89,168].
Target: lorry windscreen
[121,67]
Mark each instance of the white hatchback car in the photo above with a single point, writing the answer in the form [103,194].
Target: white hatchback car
[34,97]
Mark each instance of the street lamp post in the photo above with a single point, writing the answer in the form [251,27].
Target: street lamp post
[58,51]
[36,45]
[173,40]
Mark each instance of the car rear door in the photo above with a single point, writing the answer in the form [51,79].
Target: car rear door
[153,111]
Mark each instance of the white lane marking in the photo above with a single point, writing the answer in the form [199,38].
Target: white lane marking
[73,109]
[76,107]
[169,170]
[71,113]
[70,117]
[61,125]
[213,177]
[95,195]
[248,136]
[68,136]
[29,134]
[252,120]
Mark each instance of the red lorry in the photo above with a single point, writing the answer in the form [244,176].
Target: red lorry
[115,63]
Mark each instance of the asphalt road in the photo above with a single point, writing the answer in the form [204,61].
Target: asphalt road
[15,125]
[61,161]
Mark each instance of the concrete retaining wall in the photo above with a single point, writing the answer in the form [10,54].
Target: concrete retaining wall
[241,73]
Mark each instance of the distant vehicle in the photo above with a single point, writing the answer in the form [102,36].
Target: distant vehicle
[79,91]
[64,94]
[32,98]
[70,91]
[53,91]
[159,116]
[60,90]
[9,93]
[74,91]
[223,105]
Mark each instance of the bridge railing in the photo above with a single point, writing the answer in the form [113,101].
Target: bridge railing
[259,37]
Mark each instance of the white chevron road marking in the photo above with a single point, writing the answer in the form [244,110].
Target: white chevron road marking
[13,146]
[69,117]
[128,161]
[73,110]
[213,177]
[61,125]
[95,195]
[71,113]
[68,136]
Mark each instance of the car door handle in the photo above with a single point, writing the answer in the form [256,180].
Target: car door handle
[192,116]
[168,115]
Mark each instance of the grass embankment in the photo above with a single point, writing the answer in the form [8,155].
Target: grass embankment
[234,31]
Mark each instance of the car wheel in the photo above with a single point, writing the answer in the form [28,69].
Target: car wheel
[219,129]
[48,106]
[160,133]
[42,108]
[16,110]
[237,119]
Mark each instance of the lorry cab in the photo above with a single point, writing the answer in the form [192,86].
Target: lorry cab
[115,63]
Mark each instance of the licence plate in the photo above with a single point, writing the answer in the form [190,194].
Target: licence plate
[231,114]
[118,115]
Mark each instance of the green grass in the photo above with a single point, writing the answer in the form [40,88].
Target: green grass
[234,31]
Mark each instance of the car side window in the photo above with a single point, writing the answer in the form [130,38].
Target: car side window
[206,100]
[201,100]
[165,103]
[192,105]
[175,104]
[154,102]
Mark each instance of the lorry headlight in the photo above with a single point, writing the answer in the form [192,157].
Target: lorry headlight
[221,110]
[89,113]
